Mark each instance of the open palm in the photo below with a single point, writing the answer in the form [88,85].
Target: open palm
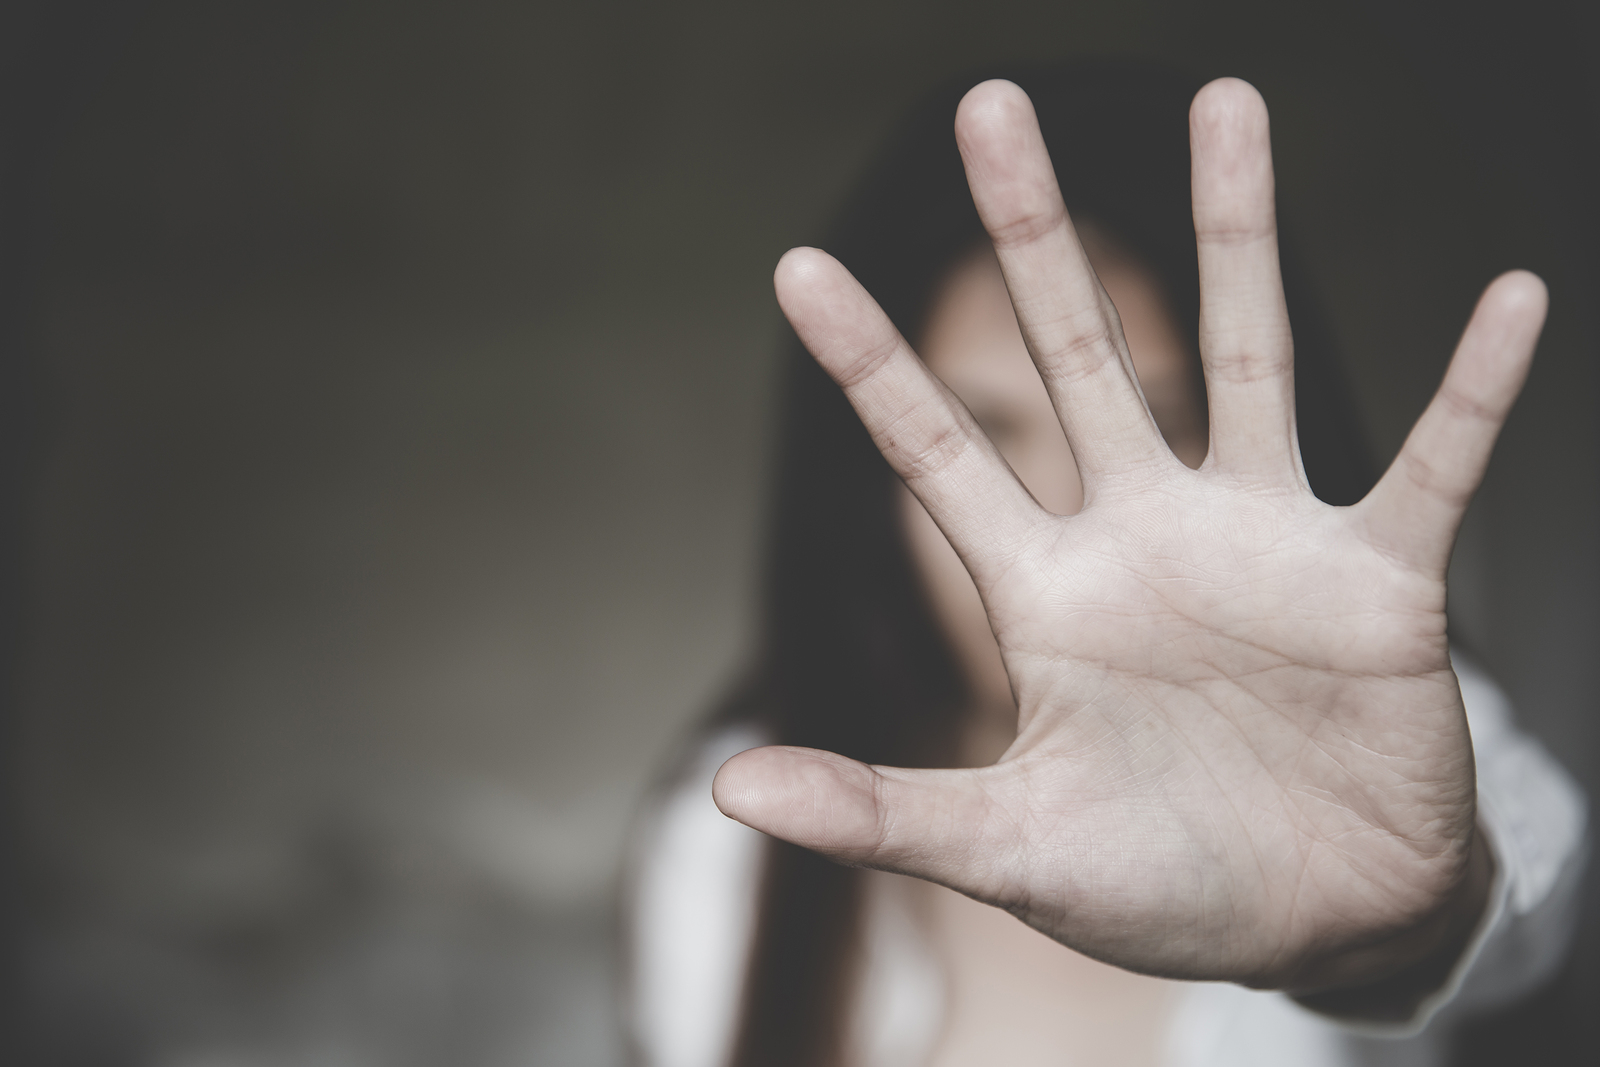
[1242,752]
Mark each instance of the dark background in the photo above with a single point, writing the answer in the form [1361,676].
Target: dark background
[385,402]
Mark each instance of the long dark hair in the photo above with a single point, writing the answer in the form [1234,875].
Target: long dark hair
[851,659]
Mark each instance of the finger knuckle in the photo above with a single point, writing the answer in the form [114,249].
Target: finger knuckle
[1426,476]
[920,451]
[866,362]
[1458,403]
[1083,349]
[1027,226]
[1233,228]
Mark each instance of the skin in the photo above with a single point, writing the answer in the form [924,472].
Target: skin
[973,344]
[1012,995]
[1241,751]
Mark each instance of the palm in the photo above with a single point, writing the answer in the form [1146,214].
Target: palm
[1242,750]
[1228,726]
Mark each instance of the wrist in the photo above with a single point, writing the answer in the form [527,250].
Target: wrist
[1386,982]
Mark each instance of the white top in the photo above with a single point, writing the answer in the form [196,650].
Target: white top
[693,910]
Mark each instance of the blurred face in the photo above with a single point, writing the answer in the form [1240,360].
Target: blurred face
[972,342]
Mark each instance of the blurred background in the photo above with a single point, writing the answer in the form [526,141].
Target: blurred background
[385,408]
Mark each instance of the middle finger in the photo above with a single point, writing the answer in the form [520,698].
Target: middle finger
[1072,330]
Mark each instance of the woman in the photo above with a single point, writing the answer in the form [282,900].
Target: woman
[1242,753]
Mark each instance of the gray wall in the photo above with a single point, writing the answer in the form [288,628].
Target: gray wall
[408,373]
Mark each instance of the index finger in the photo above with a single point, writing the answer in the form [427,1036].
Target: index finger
[929,438]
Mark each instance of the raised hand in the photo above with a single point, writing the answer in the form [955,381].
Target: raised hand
[1242,752]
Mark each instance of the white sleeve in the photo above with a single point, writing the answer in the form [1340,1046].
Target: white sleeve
[1534,816]
[691,907]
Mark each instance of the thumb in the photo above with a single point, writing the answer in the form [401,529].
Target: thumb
[942,825]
